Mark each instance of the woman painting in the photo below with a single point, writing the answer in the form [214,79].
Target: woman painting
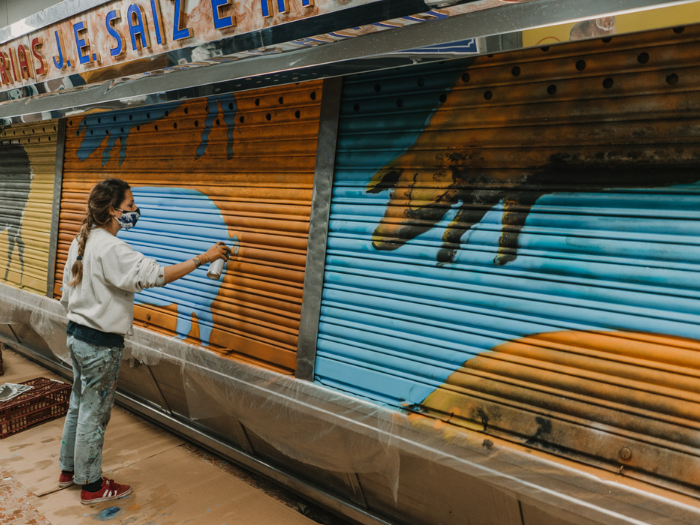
[98,295]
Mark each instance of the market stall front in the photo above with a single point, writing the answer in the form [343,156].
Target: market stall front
[463,241]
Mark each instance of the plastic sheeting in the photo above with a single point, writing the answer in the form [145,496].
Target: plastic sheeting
[298,419]
[46,316]
[339,433]
[263,401]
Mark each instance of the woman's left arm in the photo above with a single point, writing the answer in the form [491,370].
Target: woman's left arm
[130,270]
[178,271]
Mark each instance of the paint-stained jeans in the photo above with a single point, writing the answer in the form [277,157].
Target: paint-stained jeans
[95,372]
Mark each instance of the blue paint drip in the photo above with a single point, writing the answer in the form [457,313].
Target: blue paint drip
[117,126]
[107,514]
[227,105]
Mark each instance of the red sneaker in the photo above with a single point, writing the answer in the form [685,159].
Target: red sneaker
[65,480]
[108,492]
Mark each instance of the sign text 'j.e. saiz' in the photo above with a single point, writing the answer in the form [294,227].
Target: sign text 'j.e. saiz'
[123,31]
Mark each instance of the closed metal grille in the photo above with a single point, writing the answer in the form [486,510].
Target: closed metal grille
[237,169]
[27,170]
[514,248]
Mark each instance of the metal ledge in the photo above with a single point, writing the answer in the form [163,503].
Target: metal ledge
[368,53]
[245,45]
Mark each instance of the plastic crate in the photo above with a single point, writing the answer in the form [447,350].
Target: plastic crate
[46,401]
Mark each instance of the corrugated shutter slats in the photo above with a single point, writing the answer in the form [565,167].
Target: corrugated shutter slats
[514,246]
[27,171]
[233,168]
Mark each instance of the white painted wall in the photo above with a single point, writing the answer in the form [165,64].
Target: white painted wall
[13,10]
[3,13]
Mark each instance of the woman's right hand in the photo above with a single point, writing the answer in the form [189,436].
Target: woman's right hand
[218,251]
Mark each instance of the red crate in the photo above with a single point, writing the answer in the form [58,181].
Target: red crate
[47,400]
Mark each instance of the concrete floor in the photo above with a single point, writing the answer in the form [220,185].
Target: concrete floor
[174,482]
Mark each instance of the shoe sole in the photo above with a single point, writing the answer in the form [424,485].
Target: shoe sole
[65,484]
[100,500]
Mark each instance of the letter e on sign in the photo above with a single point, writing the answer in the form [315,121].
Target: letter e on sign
[83,44]
[222,22]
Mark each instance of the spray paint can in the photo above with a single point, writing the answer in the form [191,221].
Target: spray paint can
[215,269]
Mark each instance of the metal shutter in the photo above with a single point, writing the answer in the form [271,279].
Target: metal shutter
[27,170]
[233,168]
[514,247]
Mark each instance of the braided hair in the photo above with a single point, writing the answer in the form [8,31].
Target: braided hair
[105,194]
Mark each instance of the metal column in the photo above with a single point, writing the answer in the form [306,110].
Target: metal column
[318,229]
[56,208]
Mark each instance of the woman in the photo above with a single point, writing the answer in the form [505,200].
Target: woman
[98,294]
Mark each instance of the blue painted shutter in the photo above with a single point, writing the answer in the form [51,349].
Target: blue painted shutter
[514,246]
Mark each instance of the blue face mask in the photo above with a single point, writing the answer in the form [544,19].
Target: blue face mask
[128,219]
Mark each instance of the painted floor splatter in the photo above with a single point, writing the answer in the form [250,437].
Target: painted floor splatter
[15,508]
[174,483]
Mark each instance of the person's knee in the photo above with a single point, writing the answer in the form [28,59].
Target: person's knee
[93,433]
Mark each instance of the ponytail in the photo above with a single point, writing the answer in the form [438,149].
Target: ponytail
[77,269]
[105,194]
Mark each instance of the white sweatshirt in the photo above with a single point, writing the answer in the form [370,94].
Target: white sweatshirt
[112,273]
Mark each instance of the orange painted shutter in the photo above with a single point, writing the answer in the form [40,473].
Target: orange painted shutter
[233,168]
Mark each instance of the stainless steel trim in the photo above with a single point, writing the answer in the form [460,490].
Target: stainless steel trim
[247,444]
[56,208]
[56,367]
[14,333]
[46,17]
[368,53]
[354,481]
[318,229]
[240,457]
[161,398]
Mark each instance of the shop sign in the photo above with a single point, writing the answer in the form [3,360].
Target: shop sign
[124,31]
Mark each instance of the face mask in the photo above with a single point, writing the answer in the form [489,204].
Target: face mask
[128,218]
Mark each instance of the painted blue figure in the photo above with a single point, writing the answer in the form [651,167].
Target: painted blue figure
[228,107]
[178,223]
